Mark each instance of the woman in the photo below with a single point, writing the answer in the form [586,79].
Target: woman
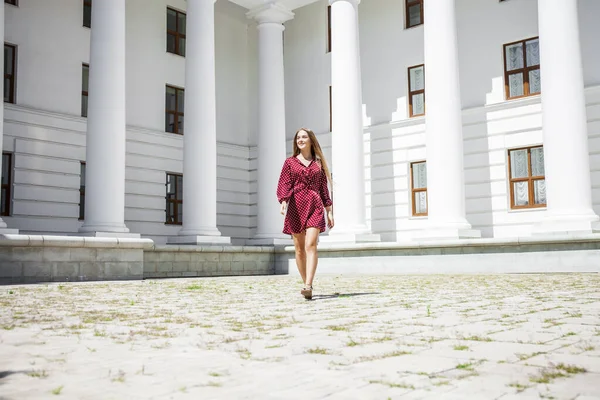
[303,192]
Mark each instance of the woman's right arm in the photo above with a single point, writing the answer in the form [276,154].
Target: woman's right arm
[284,187]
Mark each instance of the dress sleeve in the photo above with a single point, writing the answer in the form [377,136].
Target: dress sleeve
[284,187]
[323,190]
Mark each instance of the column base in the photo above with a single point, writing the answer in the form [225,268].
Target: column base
[8,231]
[566,226]
[100,234]
[447,233]
[350,238]
[197,240]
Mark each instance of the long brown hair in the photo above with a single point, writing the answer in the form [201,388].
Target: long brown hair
[315,150]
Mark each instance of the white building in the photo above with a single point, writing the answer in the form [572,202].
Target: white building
[511,99]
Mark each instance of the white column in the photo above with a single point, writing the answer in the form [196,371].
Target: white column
[271,119]
[567,165]
[443,120]
[347,162]
[3,228]
[200,133]
[105,140]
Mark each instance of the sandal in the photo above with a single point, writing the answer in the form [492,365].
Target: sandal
[307,292]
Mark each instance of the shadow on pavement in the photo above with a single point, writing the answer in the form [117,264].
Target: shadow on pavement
[340,295]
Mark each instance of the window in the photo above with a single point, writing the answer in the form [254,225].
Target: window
[174,199]
[416,90]
[6,184]
[85,77]
[418,185]
[522,68]
[174,110]
[414,13]
[9,72]
[87,13]
[13,2]
[175,32]
[330,111]
[328,29]
[82,190]
[527,180]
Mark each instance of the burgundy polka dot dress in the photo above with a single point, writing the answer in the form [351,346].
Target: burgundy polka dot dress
[306,193]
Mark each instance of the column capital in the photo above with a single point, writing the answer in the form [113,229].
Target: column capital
[270,12]
[354,2]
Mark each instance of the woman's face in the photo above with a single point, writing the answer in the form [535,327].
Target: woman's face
[302,140]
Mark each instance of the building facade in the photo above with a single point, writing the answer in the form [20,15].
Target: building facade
[457,119]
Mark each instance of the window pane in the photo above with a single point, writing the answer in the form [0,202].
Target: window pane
[537,162]
[181,27]
[182,46]
[414,15]
[180,212]
[180,100]
[7,90]
[420,202]
[515,84]
[82,175]
[518,164]
[418,104]
[535,85]
[84,105]
[514,56]
[171,43]
[417,78]
[179,187]
[170,212]
[180,124]
[169,122]
[81,206]
[532,48]
[4,207]
[171,20]
[85,78]
[5,169]
[8,59]
[539,191]
[419,176]
[170,103]
[87,15]
[170,185]
[521,193]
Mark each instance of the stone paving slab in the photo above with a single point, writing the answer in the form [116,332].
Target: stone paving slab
[362,337]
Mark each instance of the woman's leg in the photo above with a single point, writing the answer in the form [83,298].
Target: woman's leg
[310,245]
[300,254]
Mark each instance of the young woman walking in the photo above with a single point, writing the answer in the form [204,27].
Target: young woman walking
[303,193]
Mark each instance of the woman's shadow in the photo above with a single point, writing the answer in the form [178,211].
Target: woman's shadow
[338,295]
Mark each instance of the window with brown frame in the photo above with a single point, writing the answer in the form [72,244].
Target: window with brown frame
[87,13]
[418,188]
[414,13]
[13,2]
[10,66]
[328,29]
[6,184]
[176,21]
[330,110]
[527,177]
[174,210]
[522,68]
[85,79]
[82,190]
[416,90]
[174,110]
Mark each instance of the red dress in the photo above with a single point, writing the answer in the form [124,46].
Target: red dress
[306,193]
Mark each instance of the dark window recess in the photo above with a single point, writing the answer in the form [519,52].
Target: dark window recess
[87,13]
[176,32]
[85,78]
[174,199]
[10,64]
[82,191]
[414,13]
[174,110]
[6,184]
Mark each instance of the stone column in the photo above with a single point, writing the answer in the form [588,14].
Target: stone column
[347,162]
[3,228]
[105,140]
[271,119]
[564,121]
[443,121]
[200,134]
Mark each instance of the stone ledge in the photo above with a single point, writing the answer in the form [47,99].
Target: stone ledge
[74,242]
[211,249]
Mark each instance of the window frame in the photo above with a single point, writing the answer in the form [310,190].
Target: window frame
[12,96]
[9,185]
[87,3]
[82,174]
[85,93]
[414,190]
[178,35]
[176,201]
[530,179]
[175,112]
[407,5]
[411,93]
[525,70]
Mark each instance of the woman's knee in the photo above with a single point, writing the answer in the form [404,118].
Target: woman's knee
[310,246]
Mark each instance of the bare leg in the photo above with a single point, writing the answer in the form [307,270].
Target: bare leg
[311,254]
[300,254]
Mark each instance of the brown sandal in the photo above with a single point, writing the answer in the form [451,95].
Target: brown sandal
[307,292]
